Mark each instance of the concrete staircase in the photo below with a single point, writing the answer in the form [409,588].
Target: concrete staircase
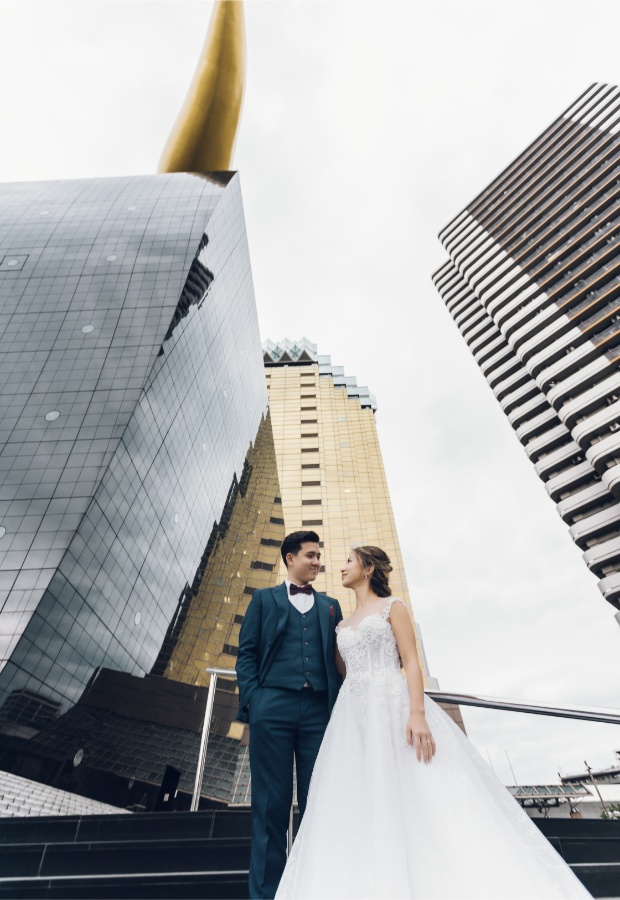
[205,855]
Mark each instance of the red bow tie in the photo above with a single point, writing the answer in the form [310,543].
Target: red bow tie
[300,589]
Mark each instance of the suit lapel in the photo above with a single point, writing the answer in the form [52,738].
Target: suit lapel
[323,611]
[280,595]
[281,601]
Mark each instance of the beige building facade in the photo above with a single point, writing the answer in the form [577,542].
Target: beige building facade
[330,468]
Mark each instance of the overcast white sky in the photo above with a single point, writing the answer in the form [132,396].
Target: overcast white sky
[366,127]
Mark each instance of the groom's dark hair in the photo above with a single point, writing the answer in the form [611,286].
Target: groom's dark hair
[292,542]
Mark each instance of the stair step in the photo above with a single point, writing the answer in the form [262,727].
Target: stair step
[140,886]
[71,829]
[124,857]
[593,828]
[601,880]
[588,850]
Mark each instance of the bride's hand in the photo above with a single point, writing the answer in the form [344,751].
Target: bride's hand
[419,736]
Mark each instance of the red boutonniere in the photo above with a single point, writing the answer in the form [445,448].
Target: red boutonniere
[331,611]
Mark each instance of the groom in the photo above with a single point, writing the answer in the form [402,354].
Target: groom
[288,684]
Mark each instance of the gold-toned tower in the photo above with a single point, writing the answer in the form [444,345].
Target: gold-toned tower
[242,554]
[330,466]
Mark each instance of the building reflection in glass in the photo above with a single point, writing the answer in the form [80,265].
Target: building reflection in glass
[133,741]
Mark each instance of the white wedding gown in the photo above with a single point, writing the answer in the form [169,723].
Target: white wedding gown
[380,824]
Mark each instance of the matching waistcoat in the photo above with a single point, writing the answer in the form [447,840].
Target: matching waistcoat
[299,658]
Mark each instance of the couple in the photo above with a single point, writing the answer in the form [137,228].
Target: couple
[395,800]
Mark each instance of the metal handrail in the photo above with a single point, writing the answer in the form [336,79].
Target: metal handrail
[204,740]
[206,726]
[590,714]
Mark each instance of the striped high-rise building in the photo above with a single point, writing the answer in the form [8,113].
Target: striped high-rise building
[533,284]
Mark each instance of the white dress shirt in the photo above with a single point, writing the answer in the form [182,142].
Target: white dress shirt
[302,602]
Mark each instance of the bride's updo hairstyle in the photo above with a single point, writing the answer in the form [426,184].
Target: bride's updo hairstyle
[374,556]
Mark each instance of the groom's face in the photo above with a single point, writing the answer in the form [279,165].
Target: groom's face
[304,566]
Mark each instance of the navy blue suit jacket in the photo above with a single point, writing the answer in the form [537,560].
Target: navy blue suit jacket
[260,635]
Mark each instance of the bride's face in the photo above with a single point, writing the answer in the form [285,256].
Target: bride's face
[351,572]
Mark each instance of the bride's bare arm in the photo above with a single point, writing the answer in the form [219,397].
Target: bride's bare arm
[418,733]
[340,665]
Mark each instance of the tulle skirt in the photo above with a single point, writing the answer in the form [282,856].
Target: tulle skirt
[380,824]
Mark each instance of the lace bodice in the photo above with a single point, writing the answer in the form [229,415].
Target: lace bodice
[370,650]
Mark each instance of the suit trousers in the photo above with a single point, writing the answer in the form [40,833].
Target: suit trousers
[285,724]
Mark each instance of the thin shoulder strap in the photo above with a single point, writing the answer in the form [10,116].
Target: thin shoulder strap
[388,606]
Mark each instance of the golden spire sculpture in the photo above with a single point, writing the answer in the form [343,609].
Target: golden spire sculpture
[203,136]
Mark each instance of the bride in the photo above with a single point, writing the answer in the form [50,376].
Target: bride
[400,803]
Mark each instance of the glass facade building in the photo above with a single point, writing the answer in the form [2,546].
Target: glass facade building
[533,283]
[133,423]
